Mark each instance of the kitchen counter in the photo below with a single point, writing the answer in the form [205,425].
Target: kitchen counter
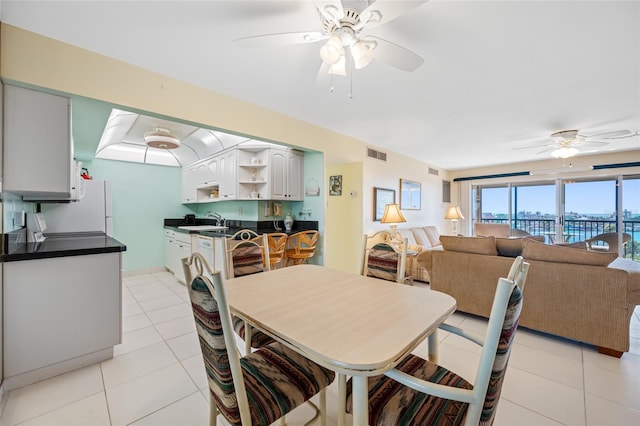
[234,226]
[63,246]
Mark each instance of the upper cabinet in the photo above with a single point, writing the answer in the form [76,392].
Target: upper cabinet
[256,172]
[38,150]
[287,171]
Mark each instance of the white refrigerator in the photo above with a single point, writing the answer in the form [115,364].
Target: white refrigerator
[91,214]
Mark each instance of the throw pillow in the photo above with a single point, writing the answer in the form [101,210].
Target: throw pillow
[509,247]
[475,245]
[406,233]
[535,250]
[433,234]
[421,237]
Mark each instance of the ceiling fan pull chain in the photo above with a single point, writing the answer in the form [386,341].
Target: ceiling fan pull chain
[350,78]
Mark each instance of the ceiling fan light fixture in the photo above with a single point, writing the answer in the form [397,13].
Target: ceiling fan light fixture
[362,54]
[564,152]
[339,68]
[332,51]
[161,139]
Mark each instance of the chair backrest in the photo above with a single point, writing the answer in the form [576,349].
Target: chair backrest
[501,330]
[303,242]
[610,238]
[277,242]
[217,342]
[246,253]
[384,258]
[515,232]
[501,230]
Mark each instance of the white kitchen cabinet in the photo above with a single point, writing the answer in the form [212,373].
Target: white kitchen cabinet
[227,182]
[287,174]
[177,245]
[32,167]
[60,314]
[189,188]
[253,173]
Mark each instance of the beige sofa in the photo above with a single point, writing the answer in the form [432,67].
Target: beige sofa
[577,294]
[420,238]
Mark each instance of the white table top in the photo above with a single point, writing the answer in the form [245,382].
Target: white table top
[346,322]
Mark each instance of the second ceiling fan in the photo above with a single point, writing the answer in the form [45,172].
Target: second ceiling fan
[345,31]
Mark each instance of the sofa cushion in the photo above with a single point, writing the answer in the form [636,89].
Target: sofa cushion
[421,237]
[535,250]
[475,245]
[406,233]
[433,234]
[495,229]
[509,247]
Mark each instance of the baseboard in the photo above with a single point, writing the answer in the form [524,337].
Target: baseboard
[146,271]
[33,376]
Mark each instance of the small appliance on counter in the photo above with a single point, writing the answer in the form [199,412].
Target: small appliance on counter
[35,228]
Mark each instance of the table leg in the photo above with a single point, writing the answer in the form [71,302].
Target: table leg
[433,347]
[342,398]
[360,400]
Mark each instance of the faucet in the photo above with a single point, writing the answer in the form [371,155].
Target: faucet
[220,221]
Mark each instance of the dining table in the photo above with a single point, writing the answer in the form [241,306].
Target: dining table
[355,325]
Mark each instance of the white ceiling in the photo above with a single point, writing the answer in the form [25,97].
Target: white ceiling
[497,75]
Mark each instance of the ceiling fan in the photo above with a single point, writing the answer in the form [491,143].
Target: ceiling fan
[567,143]
[345,29]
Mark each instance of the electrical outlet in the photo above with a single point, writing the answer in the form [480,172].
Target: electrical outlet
[240,211]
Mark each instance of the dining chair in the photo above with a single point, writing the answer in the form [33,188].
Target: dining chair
[246,253]
[419,392]
[301,247]
[607,241]
[261,387]
[385,258]
[277,243]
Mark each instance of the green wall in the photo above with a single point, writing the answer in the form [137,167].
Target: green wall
[143,195]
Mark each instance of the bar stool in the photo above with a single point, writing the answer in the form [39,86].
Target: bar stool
[277,243]
[301,247]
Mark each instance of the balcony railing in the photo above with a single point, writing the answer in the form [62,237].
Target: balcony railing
[580,230]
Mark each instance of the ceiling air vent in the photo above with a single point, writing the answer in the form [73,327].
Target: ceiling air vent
[433,171]
[378,155]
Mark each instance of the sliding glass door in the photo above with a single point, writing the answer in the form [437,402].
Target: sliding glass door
[566,211]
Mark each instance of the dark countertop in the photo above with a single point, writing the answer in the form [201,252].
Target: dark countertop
[63,246]
[260,227]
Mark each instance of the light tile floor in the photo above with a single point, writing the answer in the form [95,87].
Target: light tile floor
[157,376]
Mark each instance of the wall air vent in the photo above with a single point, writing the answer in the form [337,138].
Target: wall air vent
[433,171]
[378,155]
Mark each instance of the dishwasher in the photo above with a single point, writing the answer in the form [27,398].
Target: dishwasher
[204,246]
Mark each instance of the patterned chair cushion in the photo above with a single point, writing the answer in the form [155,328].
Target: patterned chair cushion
[391,403]
[382,262]
[276,378]
[246,259]
[258,338]
[433,234]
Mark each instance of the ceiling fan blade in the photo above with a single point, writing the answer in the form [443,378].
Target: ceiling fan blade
[593,144]
[546,151]
[381,12]
[620,134]
[533,146]
[395,55]
[280,39]
[330,10]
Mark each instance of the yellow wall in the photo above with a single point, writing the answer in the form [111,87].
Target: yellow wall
[40,61]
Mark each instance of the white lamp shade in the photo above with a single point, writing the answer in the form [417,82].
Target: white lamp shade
[454,212]
[361,53]
[332,50]
[392,214]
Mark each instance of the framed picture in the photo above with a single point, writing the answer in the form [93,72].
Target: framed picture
[382,197]
[409,195]
[335,185]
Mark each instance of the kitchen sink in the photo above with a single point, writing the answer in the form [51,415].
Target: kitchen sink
[203,228]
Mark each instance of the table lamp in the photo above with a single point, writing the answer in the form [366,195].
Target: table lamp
[454,214]
[392,216]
